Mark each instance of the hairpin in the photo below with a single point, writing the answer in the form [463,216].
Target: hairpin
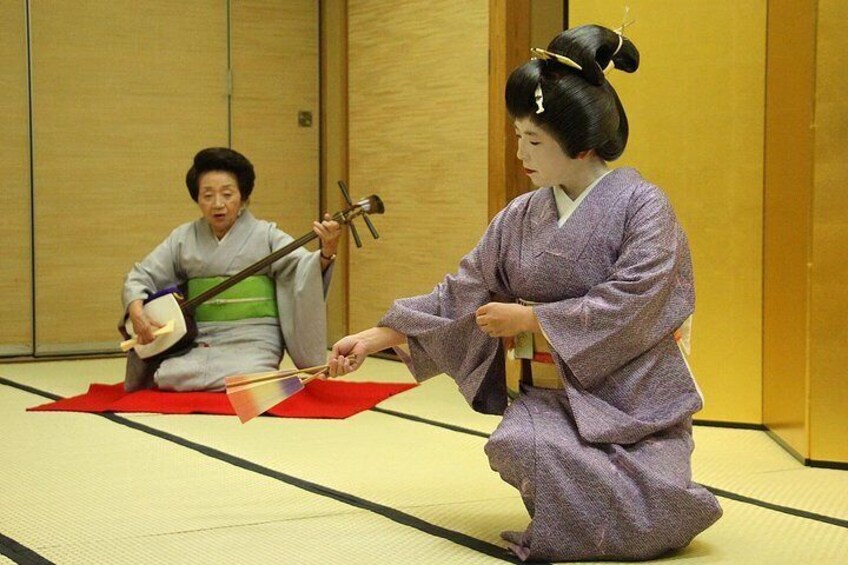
[624,23]
[548,55]
[545,55]
[620,32]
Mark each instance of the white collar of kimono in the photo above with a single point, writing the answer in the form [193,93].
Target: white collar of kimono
[566,206]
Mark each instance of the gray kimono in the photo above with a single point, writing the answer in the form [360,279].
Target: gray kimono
[242,346]
[603,466]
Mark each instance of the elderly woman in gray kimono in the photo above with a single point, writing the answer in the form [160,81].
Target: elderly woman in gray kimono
[259,318]
[583,284]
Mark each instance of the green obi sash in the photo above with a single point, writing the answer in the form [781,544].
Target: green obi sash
[254,297]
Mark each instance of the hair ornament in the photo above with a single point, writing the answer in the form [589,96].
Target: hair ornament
[546,55]
[624,23]
[611,65]
[539,99]
[619,31]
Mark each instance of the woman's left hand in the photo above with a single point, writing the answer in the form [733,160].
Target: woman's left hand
[498,319]
[329,231]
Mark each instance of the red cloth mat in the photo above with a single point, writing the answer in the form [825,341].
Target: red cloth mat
[320,399]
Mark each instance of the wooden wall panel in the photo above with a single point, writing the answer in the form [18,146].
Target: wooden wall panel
[15,230]
[829,290]
[123,98]
[275,75]
[418,85]
[696,129]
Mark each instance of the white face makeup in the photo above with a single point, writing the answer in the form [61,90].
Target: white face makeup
[544,160]
[219,199]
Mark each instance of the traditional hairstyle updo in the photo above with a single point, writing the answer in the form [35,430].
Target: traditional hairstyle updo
[221,159]
[581,109]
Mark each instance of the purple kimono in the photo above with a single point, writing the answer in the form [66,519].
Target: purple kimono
[603,466]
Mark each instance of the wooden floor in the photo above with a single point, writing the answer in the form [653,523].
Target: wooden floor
[406,483]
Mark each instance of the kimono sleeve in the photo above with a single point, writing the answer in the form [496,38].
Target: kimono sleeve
[301,289]
[158,271]
[442,331]
[648,295]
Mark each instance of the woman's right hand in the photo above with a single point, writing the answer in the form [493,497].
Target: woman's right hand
[143,326]
[349,352]
[348,355]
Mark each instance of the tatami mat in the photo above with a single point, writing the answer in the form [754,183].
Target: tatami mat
[377,487]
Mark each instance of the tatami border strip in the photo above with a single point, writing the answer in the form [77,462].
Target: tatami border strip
[27,388]
[438,424]
[777,507]
[20,554]
[716,491]
[393,514]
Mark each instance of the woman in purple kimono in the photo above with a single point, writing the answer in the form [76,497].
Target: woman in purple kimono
[579,290]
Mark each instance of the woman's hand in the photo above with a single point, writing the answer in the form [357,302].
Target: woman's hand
[498,319]
[349,352]
[143,326]
[329,232]
[348,355]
